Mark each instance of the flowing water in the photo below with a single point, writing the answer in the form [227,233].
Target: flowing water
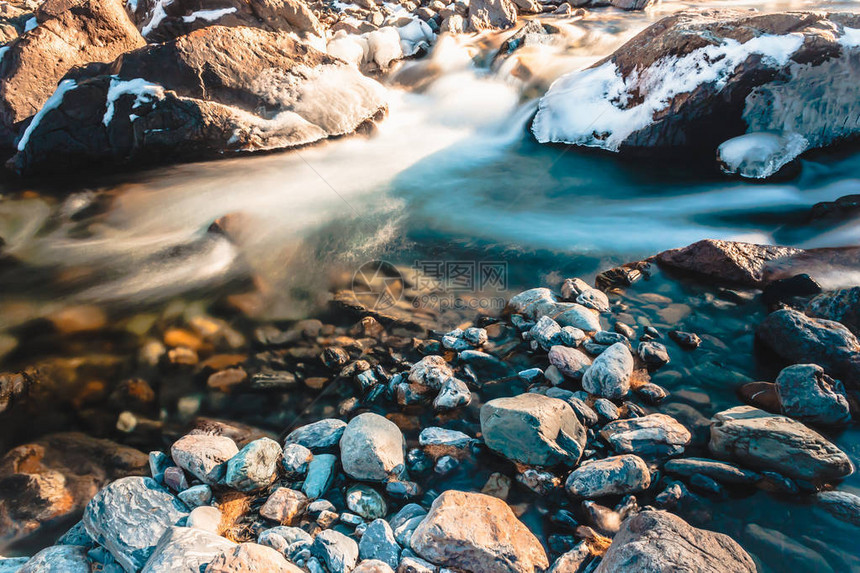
[451,174]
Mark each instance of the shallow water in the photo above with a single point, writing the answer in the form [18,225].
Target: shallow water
[452,174]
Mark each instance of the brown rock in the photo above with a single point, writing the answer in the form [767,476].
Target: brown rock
[250,558]
[284,505]
[226,379]
[728,261]
[761,395]
[70,33]
[54,477]
[659,542]
[477,533]
[491,15]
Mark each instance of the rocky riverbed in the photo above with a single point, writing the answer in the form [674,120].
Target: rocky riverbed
[588,427]
[163,409]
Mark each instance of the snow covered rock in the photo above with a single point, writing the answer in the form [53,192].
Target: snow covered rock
[760,155]
[161,20]
[696,79]
[69,34]
[262,90]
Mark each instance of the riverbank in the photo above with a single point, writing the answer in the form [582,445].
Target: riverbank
[581,408]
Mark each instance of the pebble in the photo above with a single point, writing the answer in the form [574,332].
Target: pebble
[319,436]
[609,375]
[204,456]
[435,436]
[378,543]
[453,394]
[373,566]
[653,354]
[320,475]
[593,298]
[372,448]
[606,410]
[652,393]
[431,371]
[250,558]
[571,336]
[808,394]
[284,505]
[175,479]
[654,435]
[295,459]
[56,559]
[255,466]
[533,429]
[546,332]
[617,475]
[196,496]
[185,550]
[336,550]
[686,340]
[571,362]
[366,502]
[624,330]
[205,517]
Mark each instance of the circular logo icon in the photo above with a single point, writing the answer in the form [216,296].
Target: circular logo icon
[378,285]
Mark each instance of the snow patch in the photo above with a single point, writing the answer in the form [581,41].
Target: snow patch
[760,155]
[3,51]
[30,24]
[208,15]
[592,107]
[53,102]
[158,14]
[144,91]
[850,38]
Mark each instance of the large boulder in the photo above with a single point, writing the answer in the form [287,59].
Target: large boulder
[217,90]
[129,516]
[808,394]
[161,21]
[798,338]
[52,479]
[758,439]
[476,532]
[372,448]
[69,33]
[726,261]
[533,429]
[659,542]
[697,78]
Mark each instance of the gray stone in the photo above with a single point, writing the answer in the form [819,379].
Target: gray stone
[844,505]
[195,496]
[808,394]
[577,316]
[339,552]
[573,560]
[571,362]
[434,436]
[320,475]
[255,466]
[284,505]
[533,429]
[771,541]
[475,336]
[654,435]
[659,542]
[158,462]
[366,502]
[653,354]
[722,472]
[76,535]
[842,306]
[798,338]
[129,516]
[295,459]
[413,564]
[533,303]
[546,332]
[765,441]
[608,338]
[453,394]
[431,371]
[204,456]
[55,559]
[15,564]
[185,550]
[378,543]
[593,298]
[609,375]
[372,448]
[617,475]
[606,410]
[319,436]
[571,336]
